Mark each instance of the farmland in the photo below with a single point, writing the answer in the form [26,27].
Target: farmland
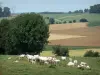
[78,37]
[75,36]
[94,19]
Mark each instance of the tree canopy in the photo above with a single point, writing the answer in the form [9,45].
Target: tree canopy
[5,12]
[4,27]
[95,8]
[29,33]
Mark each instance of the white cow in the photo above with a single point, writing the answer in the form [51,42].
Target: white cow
[9,58]
[71,64]
[75,62]
[63,58]
[21,56]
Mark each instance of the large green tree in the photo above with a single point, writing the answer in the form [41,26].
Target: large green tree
[4,27]
[29,34]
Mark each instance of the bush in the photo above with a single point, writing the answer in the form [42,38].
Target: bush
[91,53]
[64,22]
[83,20]
[96,54]
[74,21]
[60,51]
[30,34]
[51,20]
[70,21]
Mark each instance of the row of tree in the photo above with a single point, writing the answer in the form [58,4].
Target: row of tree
[25,33]
[5,12]
[53,21]
[93,9]
[80,11]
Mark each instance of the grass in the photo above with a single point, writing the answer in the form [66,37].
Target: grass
[23,67]
[76,53]
[73,50]
[49,47]
[94,19]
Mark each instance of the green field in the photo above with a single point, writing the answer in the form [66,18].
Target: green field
[49,47]
[94,19]
[23,67]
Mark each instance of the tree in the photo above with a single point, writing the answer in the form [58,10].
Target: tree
[76,11]
[51,21]
[4,27]
[6,12]
[69,12]
[74,21]
[95,8]
[91,53]
[60,51]
[86,10]
[70,21]
[83,20]
[64,22]
[1,12]
[80,11]
[30,34]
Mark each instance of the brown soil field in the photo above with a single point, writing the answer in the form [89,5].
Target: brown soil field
[67,26]
[77,34]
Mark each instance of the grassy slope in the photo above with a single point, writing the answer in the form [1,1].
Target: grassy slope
[23,67]
[94,19]
[49,48]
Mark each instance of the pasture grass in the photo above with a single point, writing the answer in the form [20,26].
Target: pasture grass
[76,53]
[93,19]
[23,67]
[49,47]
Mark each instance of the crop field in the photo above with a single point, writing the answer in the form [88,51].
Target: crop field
[74,35]
[23,67]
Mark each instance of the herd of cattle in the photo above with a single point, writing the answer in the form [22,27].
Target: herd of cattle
[53,61]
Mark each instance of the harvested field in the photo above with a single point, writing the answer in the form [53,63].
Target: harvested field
[74,35]
[62,36]
[67,26]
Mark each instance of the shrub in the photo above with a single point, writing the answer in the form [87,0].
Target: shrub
[74,21]
[83,20]
[91,53]
[51,20]
[70,21]
[96,54]
[64,22]
[60,51]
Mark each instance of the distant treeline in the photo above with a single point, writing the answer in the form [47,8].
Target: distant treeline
[5,12]
[52,12]
[92,9]
[95,8]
